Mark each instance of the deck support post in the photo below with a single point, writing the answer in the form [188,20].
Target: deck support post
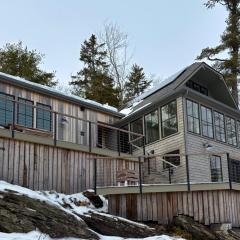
[229,171]
[188,176]
[95,175]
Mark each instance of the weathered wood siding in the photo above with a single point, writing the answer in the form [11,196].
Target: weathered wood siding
[75,131]
[41,167]
[218,206]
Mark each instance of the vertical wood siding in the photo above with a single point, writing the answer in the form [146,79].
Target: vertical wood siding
[206,207]
[41,167]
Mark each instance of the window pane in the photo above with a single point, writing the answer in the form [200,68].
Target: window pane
[169,119]
[152,127]
[207,122]
[44,117]
[231,131]
[219,126]
[193,117]
[25,112]
[216,169]
[6,109]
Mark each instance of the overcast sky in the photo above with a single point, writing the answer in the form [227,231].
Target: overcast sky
[164,36]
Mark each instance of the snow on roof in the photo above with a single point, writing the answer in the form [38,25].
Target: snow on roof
[88,101]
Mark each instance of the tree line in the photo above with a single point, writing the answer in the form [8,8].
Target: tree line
[107,76]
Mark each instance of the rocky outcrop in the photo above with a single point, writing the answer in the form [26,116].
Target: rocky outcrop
[114,226]
[19,213]
[197,230]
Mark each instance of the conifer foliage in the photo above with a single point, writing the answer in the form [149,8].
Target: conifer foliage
[230,43]
[93,80]
[136,83]
[17,60]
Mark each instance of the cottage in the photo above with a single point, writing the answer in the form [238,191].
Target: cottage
[174,150]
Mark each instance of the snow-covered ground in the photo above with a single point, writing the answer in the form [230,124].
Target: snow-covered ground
[78,204]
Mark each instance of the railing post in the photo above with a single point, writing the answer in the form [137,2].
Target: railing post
[229,171]
[90,136]
[143,143]
[188,177]
[118,143]
[14,119]
[169,175]
[140,175]
[55,128]
[95,175]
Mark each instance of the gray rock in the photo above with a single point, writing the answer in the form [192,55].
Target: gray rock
[19,213]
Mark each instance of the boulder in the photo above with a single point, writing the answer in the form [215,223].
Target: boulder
[94,199]
[19,213]
[109,225]
[197,230]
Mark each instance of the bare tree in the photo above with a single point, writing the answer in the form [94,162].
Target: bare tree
[116,43]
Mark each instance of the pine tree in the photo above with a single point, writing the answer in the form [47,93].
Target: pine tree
[93,81]
[17,60]
[136,83]
[230,42]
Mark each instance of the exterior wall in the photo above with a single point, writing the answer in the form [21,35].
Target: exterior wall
[199,165]
[168,144]
[207,207]
[42,167]
[71,131]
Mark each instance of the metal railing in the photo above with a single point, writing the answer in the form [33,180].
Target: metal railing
[66,127]
[157,170]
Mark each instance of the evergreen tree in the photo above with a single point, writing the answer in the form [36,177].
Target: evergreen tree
[17,60]
[93,81]
[230,42]
[136,83]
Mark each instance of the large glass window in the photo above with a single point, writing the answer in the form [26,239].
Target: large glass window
[152,127]
[169,119]
[219,127]
[231,131]
[44,117]
[216,169]
[6,109]
[207,122]
[235,170]
[193,117]
[25,112]
[137,127]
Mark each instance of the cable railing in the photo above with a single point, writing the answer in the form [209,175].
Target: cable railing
[62,127]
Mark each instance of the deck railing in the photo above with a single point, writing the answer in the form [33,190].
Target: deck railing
[67,127]
[159,170]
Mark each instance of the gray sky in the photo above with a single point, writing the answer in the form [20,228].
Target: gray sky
[165,36]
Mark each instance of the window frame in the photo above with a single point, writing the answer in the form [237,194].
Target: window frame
[199,117]
[24,104]
[206,122]
[49,110]
[224,124]
[13,102]
[145,126]
[221,171]
[176,116]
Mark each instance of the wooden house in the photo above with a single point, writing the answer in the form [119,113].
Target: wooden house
[174,150]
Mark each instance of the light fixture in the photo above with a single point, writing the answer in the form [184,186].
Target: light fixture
[207,146]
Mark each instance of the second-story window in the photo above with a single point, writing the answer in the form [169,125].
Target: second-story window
[231,131]
[207,122]
[169,119]
[193,117]
[44,117]
[219,127]
[152,127]
[6,109]
[25,113]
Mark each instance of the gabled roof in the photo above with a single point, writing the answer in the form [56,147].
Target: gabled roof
[9,79]
[172,85]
